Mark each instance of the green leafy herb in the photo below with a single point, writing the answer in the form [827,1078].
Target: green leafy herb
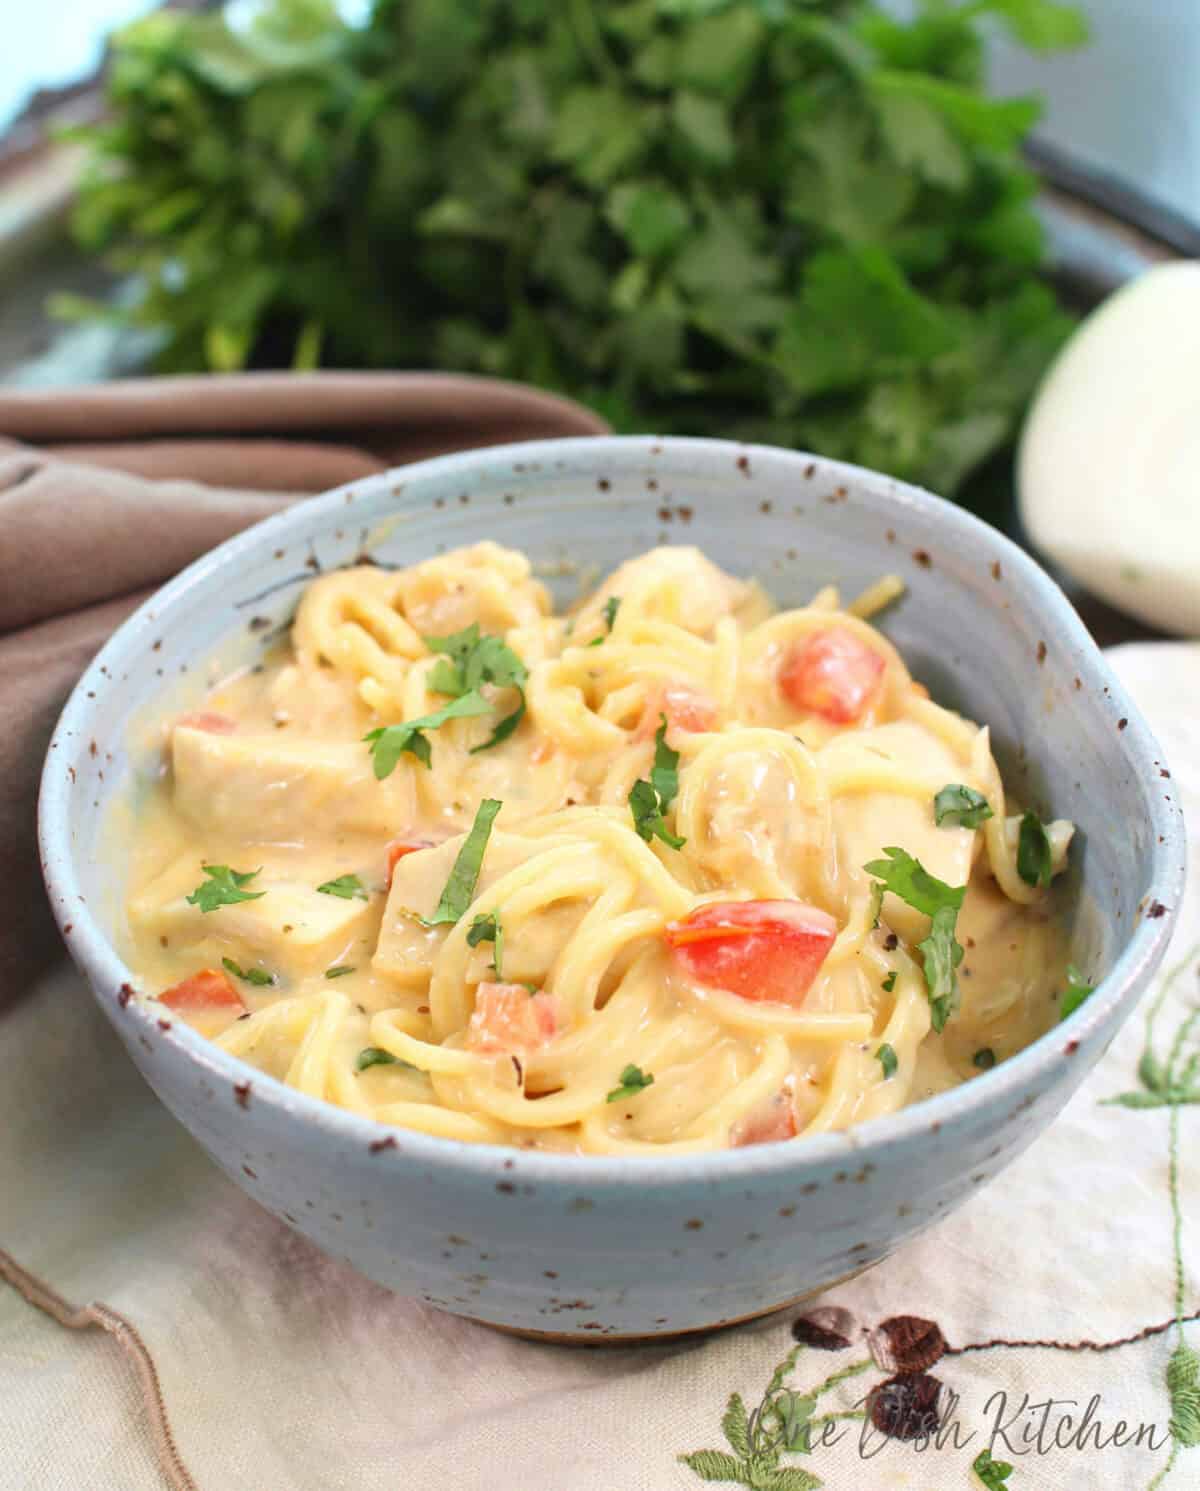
[907,878]
[611,606]
[487,928]
[223,888]
[876,906]
[349,887]
[389,742]
[887,1060]
[593,198]
[889,983]
[956,806]
[339,970]
[1033,852]
[376,1056]
[473,660]
[649,800]
[459,891]
[1076,992]
[984,1059]
[257,976]
[633,1080]
[993,1473]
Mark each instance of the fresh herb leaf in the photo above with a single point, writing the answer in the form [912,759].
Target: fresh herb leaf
[993,1473]
[633,1080]
[389,742]
[611,607]
[349,887]
[956,806]
[477,658]
[889,983]
[664,775]
[649,800]
[1033,852]
[223,888]
[459,891]
[1077,991]
[376,1056]
[623,169]
[876,904]
[984,1059]
[646,807]
[504,728]
[339,970]
[942,953]
[887,1060]
[487,927]
[258,976]
[907,878]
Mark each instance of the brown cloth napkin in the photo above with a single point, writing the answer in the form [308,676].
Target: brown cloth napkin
[107,491]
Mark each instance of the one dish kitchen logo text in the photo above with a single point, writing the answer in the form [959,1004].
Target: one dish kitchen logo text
[907,1409]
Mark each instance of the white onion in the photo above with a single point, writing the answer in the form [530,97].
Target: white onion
[1108,470]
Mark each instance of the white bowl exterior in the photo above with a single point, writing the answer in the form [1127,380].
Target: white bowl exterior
[598,1247]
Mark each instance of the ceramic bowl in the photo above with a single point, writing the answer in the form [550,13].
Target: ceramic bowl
[599,1248]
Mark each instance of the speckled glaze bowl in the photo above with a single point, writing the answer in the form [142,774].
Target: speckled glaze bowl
[596,1248]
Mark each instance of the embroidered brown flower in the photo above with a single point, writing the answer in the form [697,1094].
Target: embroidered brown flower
[905,1407]
[829,1328]
[906,1343]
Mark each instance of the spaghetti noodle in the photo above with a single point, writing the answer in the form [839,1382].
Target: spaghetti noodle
[608,882]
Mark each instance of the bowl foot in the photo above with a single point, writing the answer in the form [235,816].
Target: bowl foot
[652,1338]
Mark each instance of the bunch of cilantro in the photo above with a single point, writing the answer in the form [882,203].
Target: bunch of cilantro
[806,223]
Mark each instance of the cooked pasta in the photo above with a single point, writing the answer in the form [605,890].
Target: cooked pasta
[672,872]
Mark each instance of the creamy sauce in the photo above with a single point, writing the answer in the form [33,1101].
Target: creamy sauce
[778,801]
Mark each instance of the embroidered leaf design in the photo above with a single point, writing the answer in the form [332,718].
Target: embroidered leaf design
[1183,1384]
[793,1411]
[735,1426]
[1150,1073]
[1173,1097]
[715,1465]
[760,1467]
[794,1478]
[993,1473]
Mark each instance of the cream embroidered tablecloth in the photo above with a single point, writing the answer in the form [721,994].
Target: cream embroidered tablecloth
[279,1368]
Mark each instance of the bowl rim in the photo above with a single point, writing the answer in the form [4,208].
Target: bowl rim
[105,972]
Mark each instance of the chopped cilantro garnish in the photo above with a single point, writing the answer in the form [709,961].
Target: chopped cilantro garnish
[633,1080]
[223,888]
[611,606]
[1077,992]
[956,806]
[471,661]
[338,970]
[984,1058]
[649,800]
[907,878]
[876,906]
[377,1056]
[1033,852]
[889,983]
[257,976]
[487,928]
[349,887]
[389,742]
[460,887]
[887,1060]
